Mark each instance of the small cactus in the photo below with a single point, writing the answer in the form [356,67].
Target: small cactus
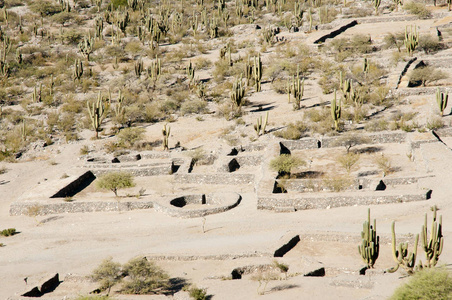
[336,111]
[97,112]
[78,69]
[237,93]
[411,40]
[260,125]
[166,132]
[441,99]
[257,72]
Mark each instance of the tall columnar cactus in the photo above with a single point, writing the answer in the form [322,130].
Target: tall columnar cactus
[119,109]
[401,255]
[365,66]
[298,13]
[213,28]
[19,58]
[441,99]
[248,71]
[336,111]
[370,246]
[237,93]
[166,132]
[23,130]
[155,69]
[376,5]
[86,46]
[297,90]
[433,246]
[97,112]
[139,67]
[411,39]
[257,72]
[78,69]
[190,70]
[260,125]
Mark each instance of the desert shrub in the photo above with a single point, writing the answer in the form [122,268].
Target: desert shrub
[348,161]
[64,17]
[361,43]
[129,136]
[394,40]
[71,36]
[284,164]
[198,156]
[434,123]
[8,232]
[108,273]
[117,3]
[144,277]
[384,164]
[417,9]
[294,131]
[350,140]
[45,8]
[426,75]
[264,277]
[429,44]
[376,125]
[115,180]
[427,284]
[337,183]
[197,293]
[152,113]
[133,47]
[193,107]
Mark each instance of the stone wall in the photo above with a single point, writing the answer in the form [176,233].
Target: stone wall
[224,178]
[150,169]
[282,202]
[21,208]
[215,203]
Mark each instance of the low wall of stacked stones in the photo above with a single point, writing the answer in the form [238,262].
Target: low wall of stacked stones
[328,142]
[285,203]
[22,208]
[227,179]
[220,203]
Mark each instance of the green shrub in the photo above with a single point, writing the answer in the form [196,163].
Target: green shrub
[425,75]
[115,180]
[348,161]
[427,284]
[435,123]
[45,8]
[193,107]
[144,277]
[294,131]
[429,44]
[197,293]
[108,273]
[129,136]
[8,232]
[284,163]
[417,9]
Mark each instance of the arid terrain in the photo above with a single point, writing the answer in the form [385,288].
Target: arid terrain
[335,87]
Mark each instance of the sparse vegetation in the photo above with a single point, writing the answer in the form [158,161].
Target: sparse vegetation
[426,284]
[114,181]
[8,232]
[284,164]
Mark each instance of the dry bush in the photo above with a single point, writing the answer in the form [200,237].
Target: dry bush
[294,131]
[434,123]
[418,9]
[384,164]
[426,75]
[348,161]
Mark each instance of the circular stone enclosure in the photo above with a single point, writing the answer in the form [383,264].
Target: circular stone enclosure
[198,205]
